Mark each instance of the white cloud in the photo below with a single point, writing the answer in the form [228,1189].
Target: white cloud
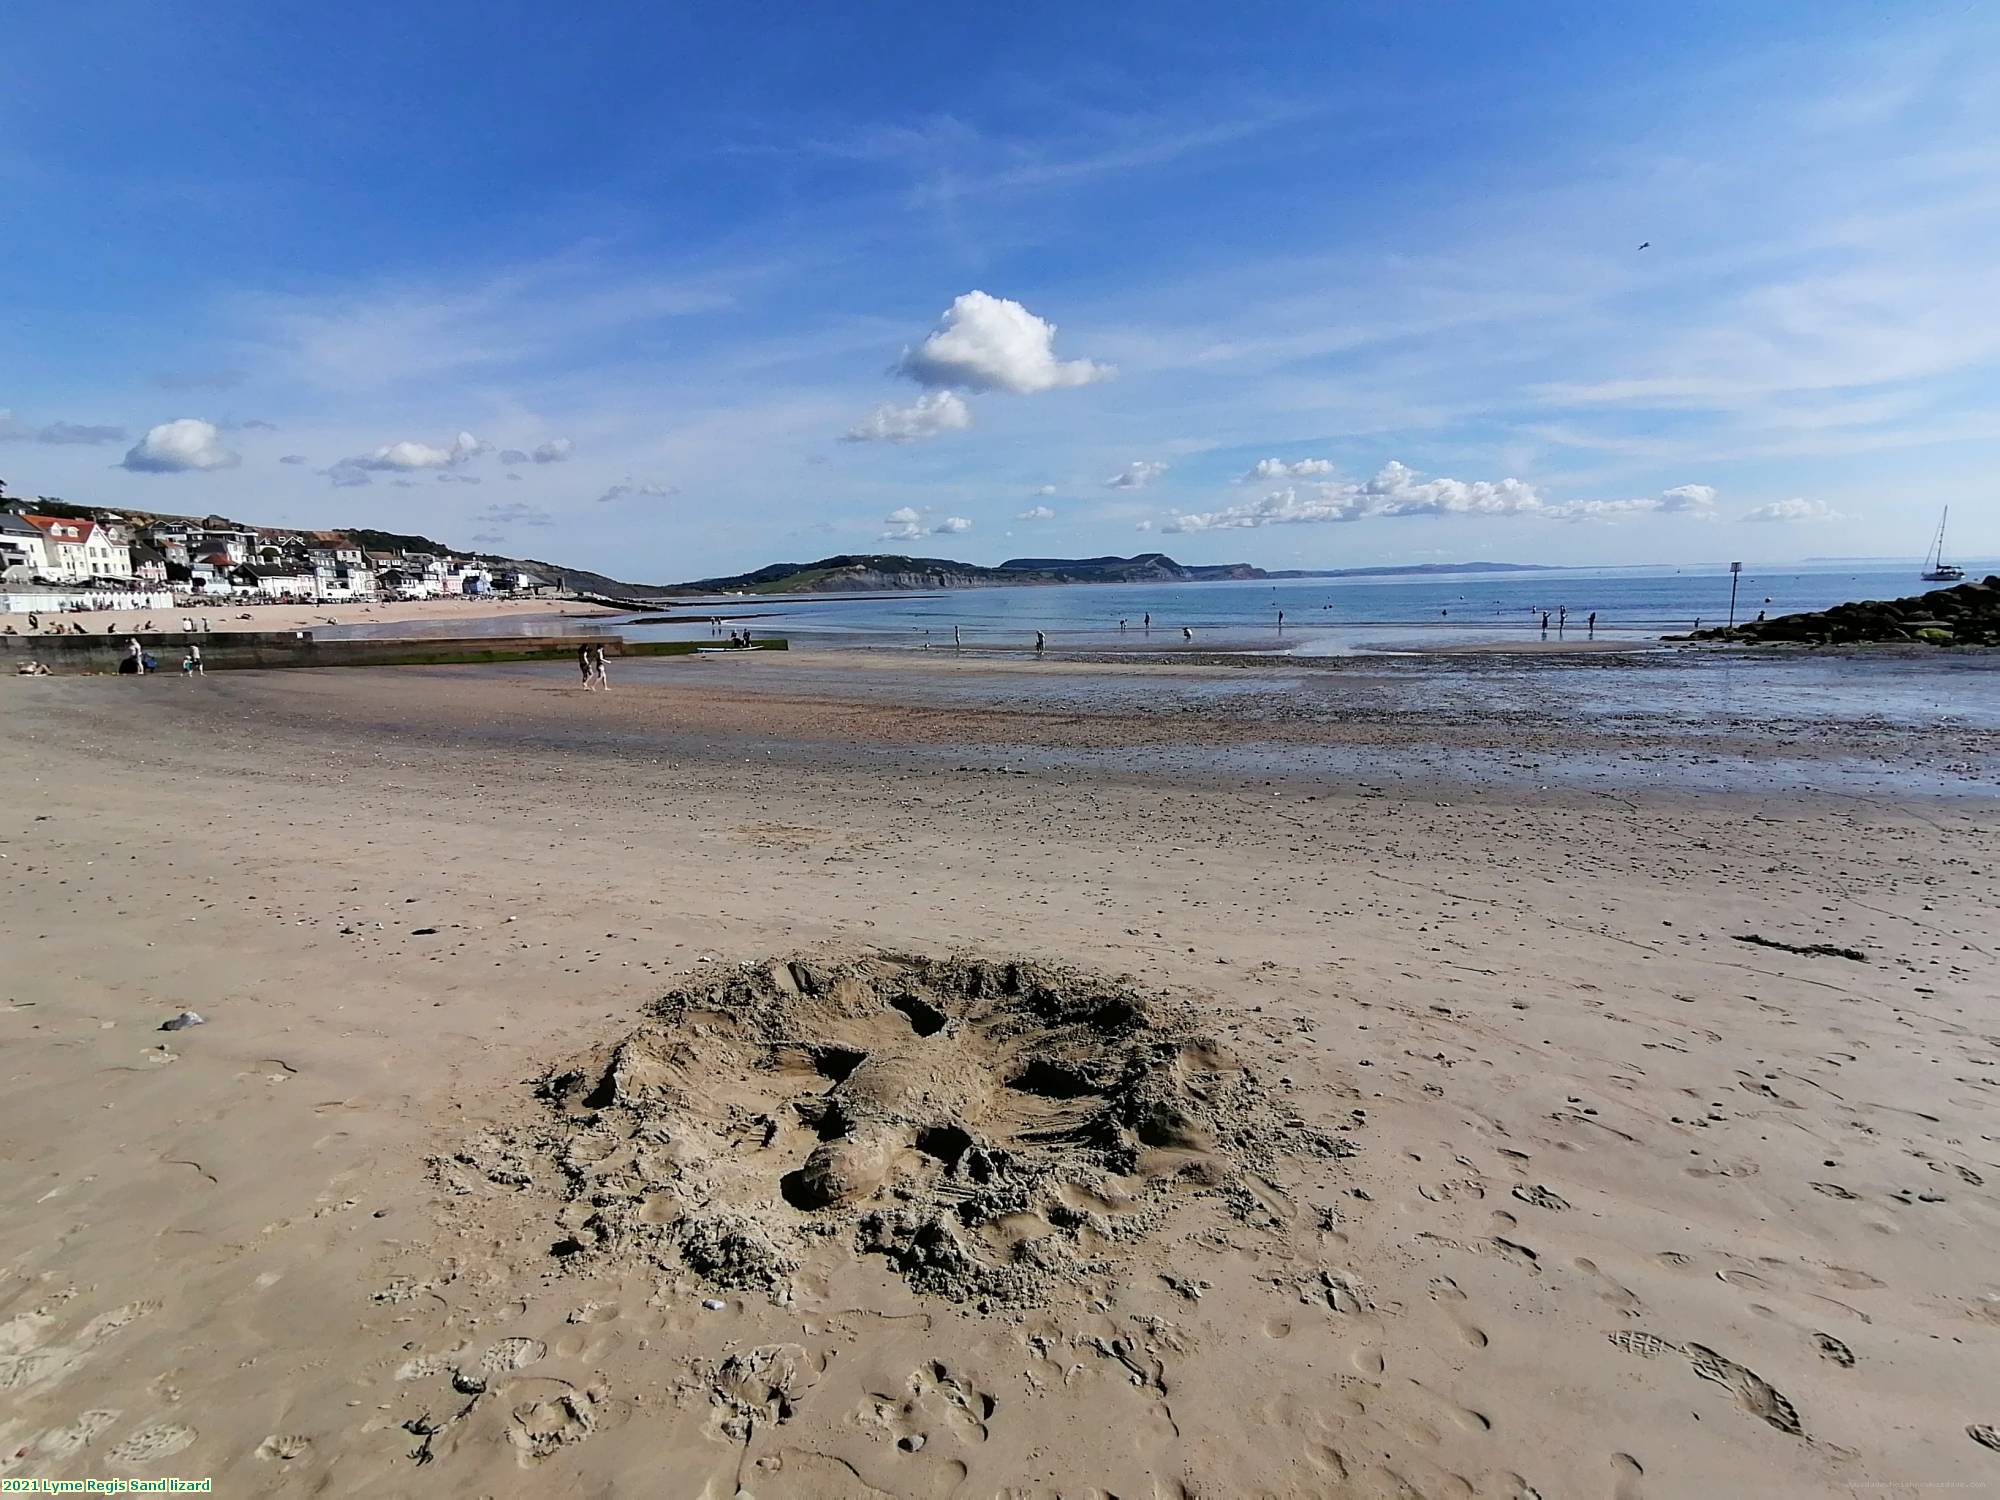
[1266,470]
[293,458]
[406,457]
[184,446]
[987,343]
[1400,491]
[1794,509]
[902,525]
[658,488]
[908,524]
[1036,513]
[1143,526]
[1045,489]
[1135,475]
[927,416]
[1684,500]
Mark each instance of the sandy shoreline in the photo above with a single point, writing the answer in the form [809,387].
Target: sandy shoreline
[1615,1203]
[238,615]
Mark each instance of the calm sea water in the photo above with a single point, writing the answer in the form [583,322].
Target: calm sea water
[1320,613]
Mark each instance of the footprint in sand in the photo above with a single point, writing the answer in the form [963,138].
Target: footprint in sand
[285,1448]
[105,1324]
[935,1396]
[1446,1293]
[1540,1197]
[512,1354]
[1986,1437]
[1620,1297]
[66,1442]
[1833,1349]
[1753,1392]
[538,1428]
[149,1444]
[1645,1345]
[1463,1417]
[1625,1472]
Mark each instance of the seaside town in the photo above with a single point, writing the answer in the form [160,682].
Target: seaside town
[59,565]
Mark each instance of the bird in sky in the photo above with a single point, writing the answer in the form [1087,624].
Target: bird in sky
[1647,245]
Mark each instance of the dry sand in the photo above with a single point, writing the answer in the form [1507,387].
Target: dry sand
[582,1107]
[238,615]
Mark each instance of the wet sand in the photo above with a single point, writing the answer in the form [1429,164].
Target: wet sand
[1548,1182]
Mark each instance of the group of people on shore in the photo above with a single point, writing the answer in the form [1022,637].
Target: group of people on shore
[1562,621]
[189,626]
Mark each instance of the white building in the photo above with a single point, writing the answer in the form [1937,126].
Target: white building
[80,550]
[24,551]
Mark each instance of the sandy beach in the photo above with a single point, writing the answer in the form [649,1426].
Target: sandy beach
[868,1075]
[236,614]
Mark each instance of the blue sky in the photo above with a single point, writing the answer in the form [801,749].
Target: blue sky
[672,291]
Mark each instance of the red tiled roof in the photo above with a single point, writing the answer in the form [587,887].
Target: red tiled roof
[52,525]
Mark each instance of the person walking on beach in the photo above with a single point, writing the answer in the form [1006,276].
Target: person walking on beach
[1562,618]
[1187,633]
[1041,643]
[597,667]
[1545,622]
[1592,622]
[1148,621]
[194,661]
[138,654]
[583,665]
[1281,619]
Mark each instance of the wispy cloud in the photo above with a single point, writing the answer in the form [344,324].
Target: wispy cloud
[1136,475]
[1398,490]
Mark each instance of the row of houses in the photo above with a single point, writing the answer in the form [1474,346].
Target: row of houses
[239,561]
[61,550]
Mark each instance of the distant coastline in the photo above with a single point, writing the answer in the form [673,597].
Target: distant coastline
[876,572]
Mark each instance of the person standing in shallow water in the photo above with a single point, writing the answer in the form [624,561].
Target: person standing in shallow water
[1041,642]
[1592,623]
[1187,633]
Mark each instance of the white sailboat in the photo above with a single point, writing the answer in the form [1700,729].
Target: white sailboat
[1936,569]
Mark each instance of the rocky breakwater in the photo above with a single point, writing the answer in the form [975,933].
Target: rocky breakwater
[1967,614]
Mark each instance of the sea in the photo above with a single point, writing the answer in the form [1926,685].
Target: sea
[1321,615]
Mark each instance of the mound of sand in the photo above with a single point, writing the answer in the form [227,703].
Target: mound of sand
[995,1130]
